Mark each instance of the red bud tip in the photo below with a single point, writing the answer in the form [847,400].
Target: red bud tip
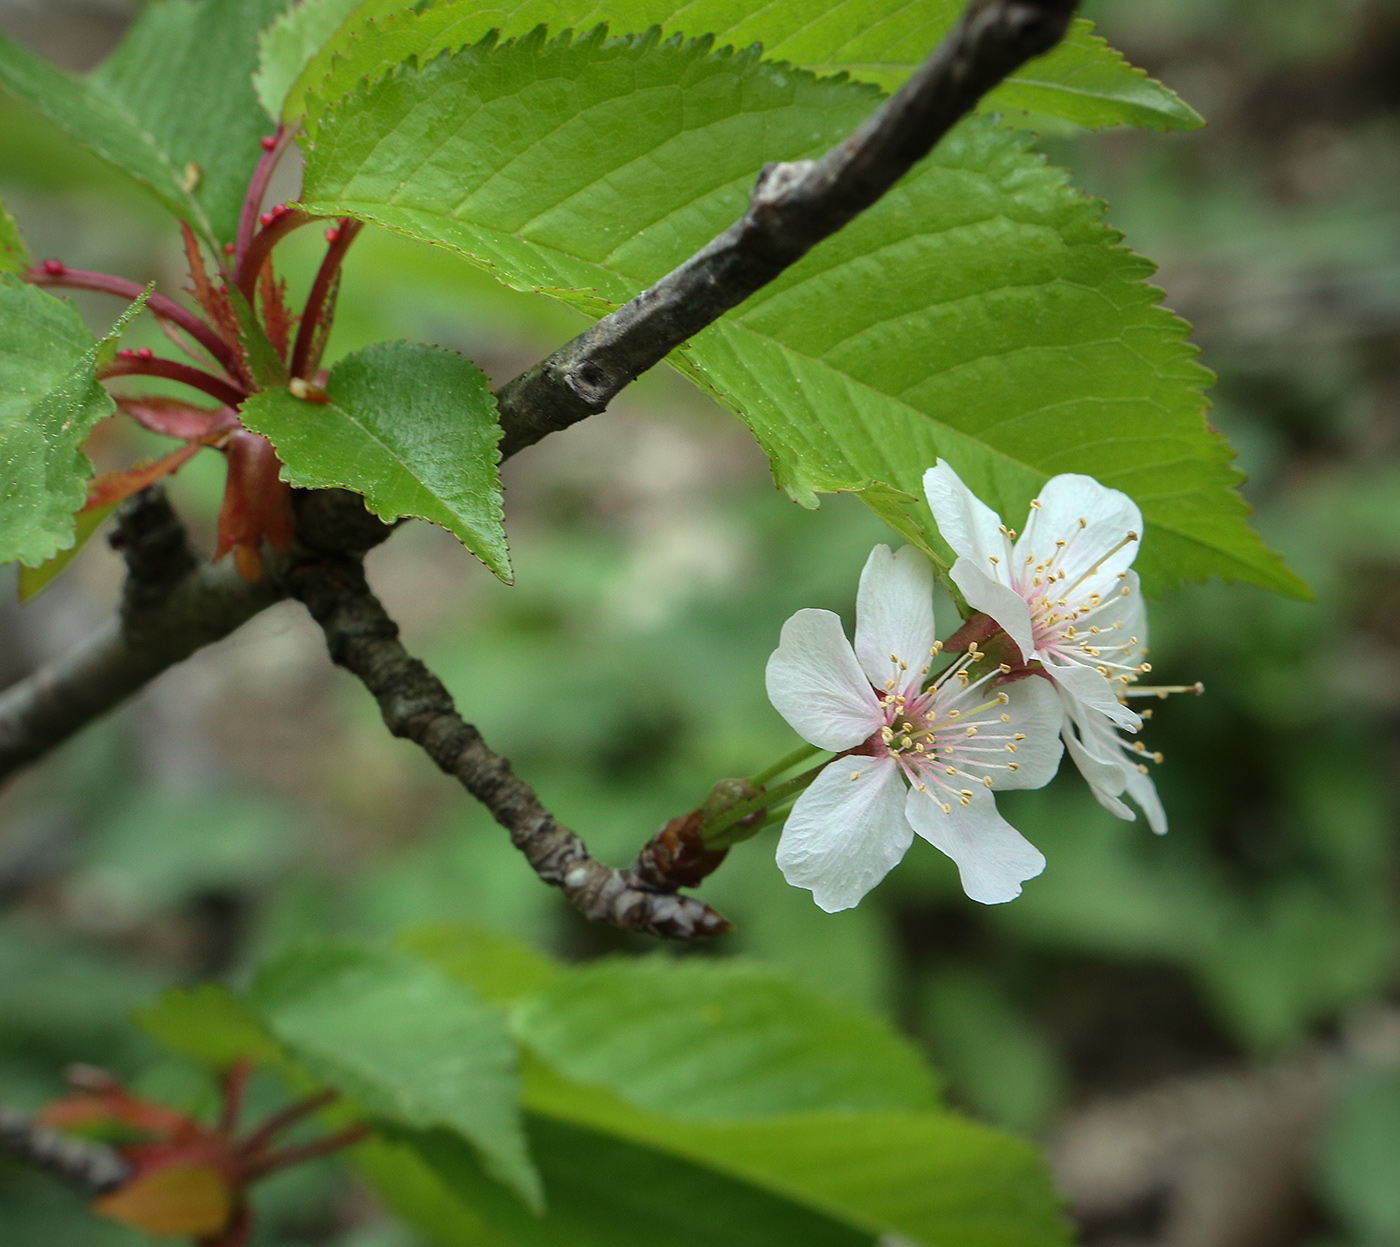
[229,248]
[145,353]
[268,142]
[126,354]
[332,234]
[54,268]
[267,219]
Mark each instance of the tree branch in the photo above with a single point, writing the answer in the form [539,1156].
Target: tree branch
[172,608]
[794,206]
[93,1167]
[365,641]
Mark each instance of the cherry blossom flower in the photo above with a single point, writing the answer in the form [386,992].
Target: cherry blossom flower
[1112,766]
[1062,590]
[914,759]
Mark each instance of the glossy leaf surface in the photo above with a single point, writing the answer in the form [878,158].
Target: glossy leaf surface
[982,311]
[411,427]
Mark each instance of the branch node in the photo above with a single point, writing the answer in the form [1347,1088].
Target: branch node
[91,1166]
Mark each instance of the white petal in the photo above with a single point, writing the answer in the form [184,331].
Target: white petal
[993,858]
[844,835]
[1144,792]
[1092,691]
[894,615]
[1106,780]
[816,684]
[1003,604]
[1109,516]
[966,523]
[1035,710]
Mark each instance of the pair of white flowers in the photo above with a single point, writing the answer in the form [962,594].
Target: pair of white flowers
[923,755]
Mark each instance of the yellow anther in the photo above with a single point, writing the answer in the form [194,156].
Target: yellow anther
[1010,748]
[1142,768]
[1004,668]
[971,731]
[1102,670]
[954,714]
[1019,736]
[1083,523]
[855,774]
[894,657]
[1006,718]
[889,686]
[987,781]
[947,809]
[965,797]
[1035,504]
[1013,766]
[936,648]
[1157,757]
[923,787]
[992,558]
[950,770]
[1004,698]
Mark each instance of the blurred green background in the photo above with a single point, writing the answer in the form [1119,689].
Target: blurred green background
[1204,1028]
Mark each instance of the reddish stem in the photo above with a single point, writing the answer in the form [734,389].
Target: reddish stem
[284,1119]
[261,247]
[303,1152]
[257,189]
[302,364]
[166,308]
[133,366]
[235,1084]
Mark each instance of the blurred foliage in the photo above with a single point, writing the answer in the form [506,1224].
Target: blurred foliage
[623,674]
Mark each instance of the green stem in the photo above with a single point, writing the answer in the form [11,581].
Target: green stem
[714,834]
[773,816]
[784,764]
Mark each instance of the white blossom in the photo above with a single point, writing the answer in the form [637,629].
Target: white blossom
[1063,590]
[915,757]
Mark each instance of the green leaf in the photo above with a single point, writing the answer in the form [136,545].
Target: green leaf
[288,45]
[498,968]
[265,364]
[982,311]
[174,107]
[880,41]
[406,1043]
[1087,82]
[14,255]
[608,1192]
[411,427]
[96,121]
[935,1178]
[34,580]
[723,1098]
[718,1040]
[49,399]
[1359,1166]
[209,1024]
